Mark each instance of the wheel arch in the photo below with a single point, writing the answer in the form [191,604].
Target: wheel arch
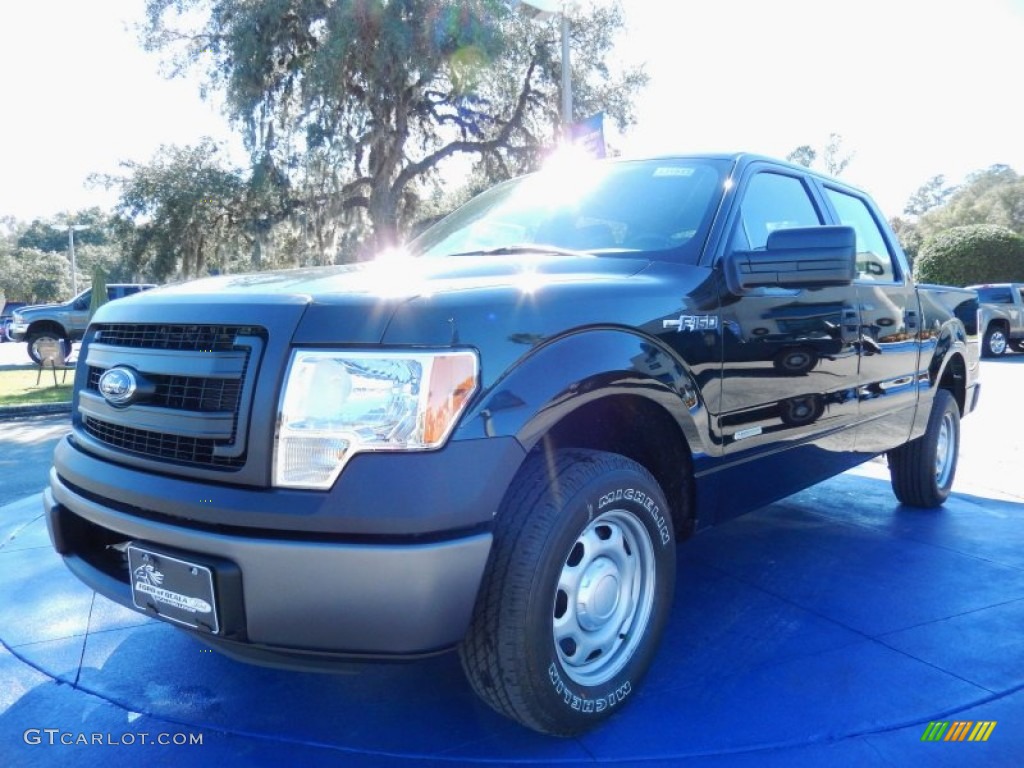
[593,389]
[42,326]
[638,429]
[953,376]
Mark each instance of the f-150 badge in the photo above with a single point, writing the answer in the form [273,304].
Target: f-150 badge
[692,323]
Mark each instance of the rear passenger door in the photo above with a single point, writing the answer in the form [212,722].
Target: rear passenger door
[889,337]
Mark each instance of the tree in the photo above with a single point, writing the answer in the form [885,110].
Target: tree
[28,274]
[98,297]
[803,155]
[932,194]
[359,102]
[188,208]
[992,196]
[836,158]
[909,235]
[980,253]
[833,157]
[40,234]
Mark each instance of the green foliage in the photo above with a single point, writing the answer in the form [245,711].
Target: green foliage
[909,235]
[804,155]
[978,253]
[28,274]
[353,105]
[993,196]
[834,158]
[98,297]
[41,235]
[187,205]
[932,194]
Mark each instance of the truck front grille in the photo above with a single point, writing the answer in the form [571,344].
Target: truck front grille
[160,445]
[201,379]
[187,393]
[201,338]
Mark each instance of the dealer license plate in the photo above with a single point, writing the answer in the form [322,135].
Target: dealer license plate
[174,589]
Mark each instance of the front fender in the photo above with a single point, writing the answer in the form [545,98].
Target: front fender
[563,374]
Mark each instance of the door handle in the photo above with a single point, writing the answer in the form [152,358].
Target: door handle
[911,320]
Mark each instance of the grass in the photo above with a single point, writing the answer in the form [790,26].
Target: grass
[18,385]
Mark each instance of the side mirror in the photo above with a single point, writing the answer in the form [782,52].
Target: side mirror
[804,257]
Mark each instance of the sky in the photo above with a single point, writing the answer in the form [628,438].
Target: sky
[914,87]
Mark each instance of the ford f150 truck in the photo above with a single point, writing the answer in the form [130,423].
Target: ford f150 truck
[493,440]
[1002,317]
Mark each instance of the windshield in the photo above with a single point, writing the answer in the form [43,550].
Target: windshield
[653,208]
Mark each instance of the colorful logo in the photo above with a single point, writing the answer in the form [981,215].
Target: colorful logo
[959,730]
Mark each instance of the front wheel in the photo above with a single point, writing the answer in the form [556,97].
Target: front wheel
[576,594]
[922,470]
[38,343]
[994,344]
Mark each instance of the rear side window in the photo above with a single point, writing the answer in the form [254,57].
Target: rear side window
[772,201]
[996,295]
[874,261]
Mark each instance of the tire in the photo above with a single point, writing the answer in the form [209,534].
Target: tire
[35,338]
[923,470]
[795,361]
[994,344]
[797,411]
[1018,345]
[576,594]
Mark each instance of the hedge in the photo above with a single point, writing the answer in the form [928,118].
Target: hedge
[979,253]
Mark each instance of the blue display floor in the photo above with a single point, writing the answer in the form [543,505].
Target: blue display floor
[827,629]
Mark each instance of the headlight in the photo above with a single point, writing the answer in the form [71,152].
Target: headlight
[336,404]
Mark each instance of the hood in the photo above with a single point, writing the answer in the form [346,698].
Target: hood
[32,308]
[356,303]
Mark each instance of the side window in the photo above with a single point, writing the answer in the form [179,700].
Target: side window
[772,201]
[874,261]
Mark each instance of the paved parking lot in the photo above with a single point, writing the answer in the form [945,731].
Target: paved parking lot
[829,628]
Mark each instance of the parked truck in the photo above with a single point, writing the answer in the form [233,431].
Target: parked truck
[1002,317]
[63,323]
[493,440]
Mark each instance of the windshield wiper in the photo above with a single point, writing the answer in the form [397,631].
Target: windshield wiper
[512,250]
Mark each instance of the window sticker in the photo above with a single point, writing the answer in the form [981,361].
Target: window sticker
[673,170]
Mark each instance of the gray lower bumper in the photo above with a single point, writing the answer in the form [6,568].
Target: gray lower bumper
[302,595]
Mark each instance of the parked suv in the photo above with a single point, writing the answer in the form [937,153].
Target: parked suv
[1001,317]
[62,322]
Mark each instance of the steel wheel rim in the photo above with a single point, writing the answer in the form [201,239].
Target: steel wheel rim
[797,360]
[997,343]
[604,597]
[945,451]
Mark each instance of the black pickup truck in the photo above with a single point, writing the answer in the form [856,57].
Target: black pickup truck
[493,440]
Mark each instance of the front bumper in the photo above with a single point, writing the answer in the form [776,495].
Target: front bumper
[304,597]
[17,331]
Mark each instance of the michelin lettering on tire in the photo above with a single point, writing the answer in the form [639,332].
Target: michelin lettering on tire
[641,498]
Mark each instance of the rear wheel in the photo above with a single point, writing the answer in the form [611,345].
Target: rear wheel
[796,361]
[576,594]
[923,470]
[994,343]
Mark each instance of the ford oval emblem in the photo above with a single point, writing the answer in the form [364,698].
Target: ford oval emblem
[118,385]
